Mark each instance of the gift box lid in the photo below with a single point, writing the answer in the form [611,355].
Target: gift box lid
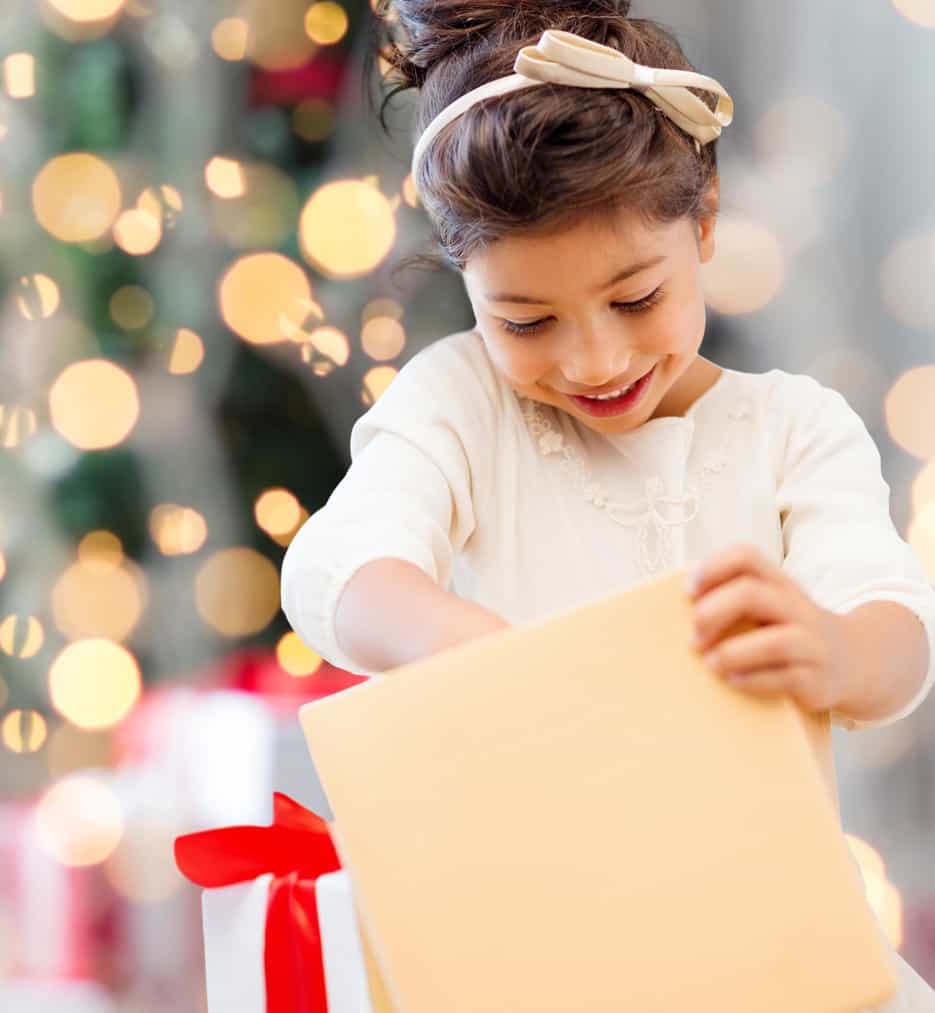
[579,814]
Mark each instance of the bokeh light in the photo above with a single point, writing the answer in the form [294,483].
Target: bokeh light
[409,192]
[101,549]
[326,23]
[747,270]
[257,291]
[920,12]
[225,178]
[163,203]
[94,404]
[132,307]
[347,228]
[906,281]
[230,39]
[237,592]
[21,636]
[910,411]
[314,119]
[137,232]
[383,338]
[17,424]
[76,197]
[177,530]
[376,381]
[99,597]
[19,72]
[37,296]
[24,731]
[79,821]
[188,352]
[278,40]
[88,10]
[295,657]
[94,683]
[277,511]
[326,349]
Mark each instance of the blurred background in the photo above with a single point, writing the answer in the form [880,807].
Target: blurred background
[205,251]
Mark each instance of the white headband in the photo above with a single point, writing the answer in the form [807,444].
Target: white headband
[565,58]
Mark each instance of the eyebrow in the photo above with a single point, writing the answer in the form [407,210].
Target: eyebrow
[627,272]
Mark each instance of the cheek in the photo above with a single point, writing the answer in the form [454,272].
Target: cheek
[521,361]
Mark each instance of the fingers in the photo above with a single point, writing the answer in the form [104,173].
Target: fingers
[772,648]
[731,563]
[743,598]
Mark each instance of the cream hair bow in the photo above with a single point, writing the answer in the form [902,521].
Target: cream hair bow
[569,59]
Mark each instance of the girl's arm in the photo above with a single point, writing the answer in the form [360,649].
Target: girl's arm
[391,613]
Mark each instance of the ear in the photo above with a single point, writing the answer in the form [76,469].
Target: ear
[707,224]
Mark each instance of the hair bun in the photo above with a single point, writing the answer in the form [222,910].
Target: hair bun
[429,31]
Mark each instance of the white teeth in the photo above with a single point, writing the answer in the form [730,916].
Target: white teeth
[612,395]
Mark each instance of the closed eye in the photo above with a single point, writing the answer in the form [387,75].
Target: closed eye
[536,326]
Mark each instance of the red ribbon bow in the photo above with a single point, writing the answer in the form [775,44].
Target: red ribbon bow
[296,849]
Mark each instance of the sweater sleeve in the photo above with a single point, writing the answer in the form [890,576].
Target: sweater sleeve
[839,539]
[409,493]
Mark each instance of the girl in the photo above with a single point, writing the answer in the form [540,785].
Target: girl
[575,441]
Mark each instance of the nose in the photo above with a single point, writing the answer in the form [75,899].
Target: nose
[595,358]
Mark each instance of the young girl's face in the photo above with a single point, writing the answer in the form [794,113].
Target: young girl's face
[592,308]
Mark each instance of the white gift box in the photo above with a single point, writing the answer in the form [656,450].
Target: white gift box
[235,935]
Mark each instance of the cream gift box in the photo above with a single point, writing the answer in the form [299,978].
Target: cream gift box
[579,815]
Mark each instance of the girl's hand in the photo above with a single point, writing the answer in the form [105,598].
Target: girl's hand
[798,648]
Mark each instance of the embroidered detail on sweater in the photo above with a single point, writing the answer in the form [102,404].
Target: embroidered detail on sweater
[654,514]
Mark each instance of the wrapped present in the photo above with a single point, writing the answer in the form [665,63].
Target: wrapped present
[280,933]
[652,838]
[57,922]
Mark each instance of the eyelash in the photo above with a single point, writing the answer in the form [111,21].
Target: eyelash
[627,307]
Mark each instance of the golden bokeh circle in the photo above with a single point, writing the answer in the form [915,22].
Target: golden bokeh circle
[137,232]
[314,120]
[94,683]
[923,487]
[906,280]
[347,229]
[277,511]
[21,636]
[326,23]
[237,592]
[376,381]
[94,404]
[23,731]
[87,11]
[295,657]
[177,530]
[38,297]
[230,39]
[909,409]
[188,352]
[76,197]
[747,270]
[101,550]
[257,291]
[92,599]
[383,338]
[163,203]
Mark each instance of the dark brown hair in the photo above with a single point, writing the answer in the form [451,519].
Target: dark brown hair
[540,158]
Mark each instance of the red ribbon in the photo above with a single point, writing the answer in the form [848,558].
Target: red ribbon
[297,849]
